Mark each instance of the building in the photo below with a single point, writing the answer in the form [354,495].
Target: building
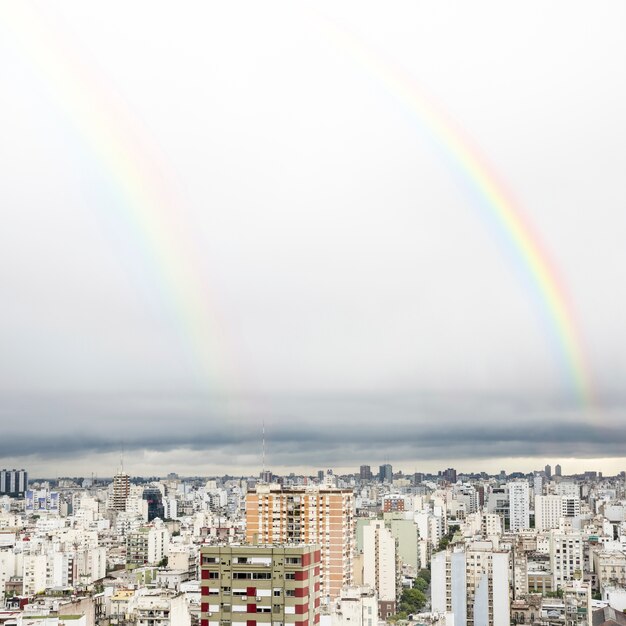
[147,546]
[449,475]
[13,483]
[154,497]
[557,470]
[311,515]
[566,557]
[380,567]
[356,606]
[385,473]
[250,585]
[393,503]
[519,506]
[365,472]
[548,472]
[473,583]
[121,490]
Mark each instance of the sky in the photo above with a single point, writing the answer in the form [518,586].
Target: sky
[216,216]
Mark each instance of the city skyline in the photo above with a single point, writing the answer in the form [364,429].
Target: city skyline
[388,235]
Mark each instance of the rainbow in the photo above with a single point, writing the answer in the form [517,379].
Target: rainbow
[496,202]
[146,207]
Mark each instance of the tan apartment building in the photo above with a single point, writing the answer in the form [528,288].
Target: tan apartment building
[310,515]
[258,585]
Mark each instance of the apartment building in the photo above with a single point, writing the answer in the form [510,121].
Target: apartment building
[566,557]
[380,567]
[519,505]
[311,515]
[473,583]
[256,585]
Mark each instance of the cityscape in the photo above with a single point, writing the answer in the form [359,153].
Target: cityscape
[312,313]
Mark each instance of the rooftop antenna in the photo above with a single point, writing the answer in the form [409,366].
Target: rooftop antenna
[263,441]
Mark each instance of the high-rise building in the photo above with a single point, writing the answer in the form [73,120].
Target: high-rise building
[557,470]
[121,489]
[154,497]
[566,557]
[380,570]
[365,472]
[473,583]
[260,585]
[449,475]
[13,483]
[519,505]
[311,515]
[547,470]
[385,473]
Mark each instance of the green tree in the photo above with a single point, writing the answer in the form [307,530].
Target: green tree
[412,601]
[424,574]
[420,584]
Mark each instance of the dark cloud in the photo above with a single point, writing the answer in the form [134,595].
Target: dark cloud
[310,430]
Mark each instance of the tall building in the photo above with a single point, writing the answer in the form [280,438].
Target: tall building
[449,475]
[557,470]
[121,489]
[154,497]
[365,472]
[380,570]
[250,585]
[473,583]
[547,470]
[13,482]
[385,473]
[519,506]
[566,557]
[312,515]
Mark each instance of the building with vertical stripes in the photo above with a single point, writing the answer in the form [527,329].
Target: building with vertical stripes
[260,585]
[311,515]
[13,482]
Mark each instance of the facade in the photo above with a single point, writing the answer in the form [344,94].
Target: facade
[250,585]
[314,515]
[473,583]
[356,606]
[154,498]
[121,490]
[519,506]
[566,557]
[146,546]
[365,472]
[385,473]
[380,566]
[13,483]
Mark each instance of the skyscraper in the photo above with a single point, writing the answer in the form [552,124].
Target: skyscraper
[13,482]
[547,470]
[365,472]
[121,489]
[557,470]
[312,515]
[385,473]
[519,505]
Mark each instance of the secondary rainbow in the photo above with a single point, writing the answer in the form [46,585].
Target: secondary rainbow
[144,204]
[499,204]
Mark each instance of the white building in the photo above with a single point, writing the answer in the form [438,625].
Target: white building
[379,565]
[519,505]
[356,606]
[472,582]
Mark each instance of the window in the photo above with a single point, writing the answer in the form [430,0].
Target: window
[209,559]
[290,593]
[290,576]
[212,575]
[293,560]
[277,593]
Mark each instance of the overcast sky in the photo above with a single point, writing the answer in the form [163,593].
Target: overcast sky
[214,214]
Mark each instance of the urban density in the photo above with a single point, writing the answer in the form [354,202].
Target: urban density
[363,549]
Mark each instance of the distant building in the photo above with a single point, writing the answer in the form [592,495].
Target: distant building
[449,475]
[557,470]
[547,470]
[154,497]
[385,473]
[13,483]
[365,472]
[519,505]
[121,490]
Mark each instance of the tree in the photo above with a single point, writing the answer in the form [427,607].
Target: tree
[412,601]
[424,574]
[420,584]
